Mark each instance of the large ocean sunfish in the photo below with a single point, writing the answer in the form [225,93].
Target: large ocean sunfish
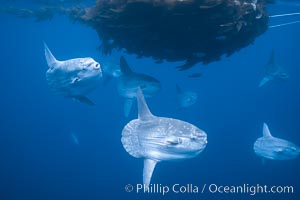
[129,81]
[274,148]
[159,139]
[74,78]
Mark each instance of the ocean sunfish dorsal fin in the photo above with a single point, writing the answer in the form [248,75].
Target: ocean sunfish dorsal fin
[272,58]
[125,69]
[149,166]
[143,110]
[266,131]
[51,60]
[178,89]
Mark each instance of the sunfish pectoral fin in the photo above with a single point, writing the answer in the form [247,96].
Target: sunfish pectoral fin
[84,99]
[264,81]
[266,131]
[143,110]
[173,140]
[51,60]
[149,166]
[279,151]
[127,106]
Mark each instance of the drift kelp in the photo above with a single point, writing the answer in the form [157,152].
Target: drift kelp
[192,31]
[188,30]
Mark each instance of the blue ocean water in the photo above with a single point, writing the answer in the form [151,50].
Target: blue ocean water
[38,159]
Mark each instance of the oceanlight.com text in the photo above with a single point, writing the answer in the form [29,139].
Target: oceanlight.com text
[208,188]
[250,189]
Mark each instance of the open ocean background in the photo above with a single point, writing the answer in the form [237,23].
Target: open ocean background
[39,160]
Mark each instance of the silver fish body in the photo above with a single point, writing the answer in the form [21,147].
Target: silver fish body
[275,148]
[159,139]
[74,78]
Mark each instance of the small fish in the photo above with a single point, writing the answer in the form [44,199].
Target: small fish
[74,78]
[185,98]
[129,82]
[157,139]
[275,148]
[194,75]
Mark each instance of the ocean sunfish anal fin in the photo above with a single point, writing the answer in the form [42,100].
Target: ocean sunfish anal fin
[127,106]
[266,131]
[149,166]
[279,151]
[265,80]
[125,69]
[143,110]
[173,140]
[84,99]
[51,60]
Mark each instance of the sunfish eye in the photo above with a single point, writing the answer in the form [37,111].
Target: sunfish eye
[97,66]
[179,140]
[293,148]
[195,137]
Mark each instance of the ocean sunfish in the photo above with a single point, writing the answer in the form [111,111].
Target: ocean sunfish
[73,78]
[274,148]
[129,81]
[185,98]
[160,139]
[273,72]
